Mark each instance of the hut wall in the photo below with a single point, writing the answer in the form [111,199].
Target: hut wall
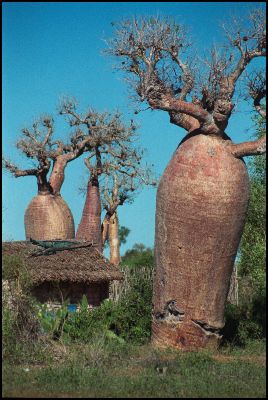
[96,293]
[59,292]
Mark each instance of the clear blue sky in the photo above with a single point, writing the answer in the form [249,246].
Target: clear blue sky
[54,49]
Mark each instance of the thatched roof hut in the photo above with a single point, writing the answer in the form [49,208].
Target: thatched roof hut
[81,264]
[76,271]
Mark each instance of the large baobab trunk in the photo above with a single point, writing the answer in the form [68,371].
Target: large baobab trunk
[203,195]
[89,228]
[114,240]
[201,208]
[48,217]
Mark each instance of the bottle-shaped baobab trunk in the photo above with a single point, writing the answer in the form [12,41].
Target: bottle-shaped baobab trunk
[89,228]
[114,240]
[48,217]
[201,208]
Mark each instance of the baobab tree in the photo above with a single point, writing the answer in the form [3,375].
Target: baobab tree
[123,181]
[111,151]
[48,216]
[203,194]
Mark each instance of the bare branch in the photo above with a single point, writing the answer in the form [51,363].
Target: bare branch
[187,76]
[250,39]
[252,148]
[16,171]
[40,172]
[152,51]
[256,84]
[204,118]
[49,124]
[90,167]
[53,154]
[147,46]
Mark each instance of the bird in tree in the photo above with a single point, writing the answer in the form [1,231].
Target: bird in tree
[203,194]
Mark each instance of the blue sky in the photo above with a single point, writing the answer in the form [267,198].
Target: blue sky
[54,49]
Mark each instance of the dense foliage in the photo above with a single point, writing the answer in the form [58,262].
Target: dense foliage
[252,249]
[248,319]
[128,319]
[20,326]
[138,255]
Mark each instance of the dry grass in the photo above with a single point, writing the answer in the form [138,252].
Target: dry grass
[99,369]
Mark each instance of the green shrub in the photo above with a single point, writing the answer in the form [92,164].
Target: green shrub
[129,319]
[138,256]
[15,272]
[20,325]
[132,319]
[87,324]
[20,330]
[8,337]
[241,326]
[251,264]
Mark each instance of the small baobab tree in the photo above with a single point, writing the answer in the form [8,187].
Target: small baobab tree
[124,179]
[203,194]
[47,216]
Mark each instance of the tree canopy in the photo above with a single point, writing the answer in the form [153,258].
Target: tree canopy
[155,55]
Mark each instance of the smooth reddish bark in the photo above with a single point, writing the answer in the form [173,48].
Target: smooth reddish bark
[201,209]
[251,148]
[89,228]
[114,240]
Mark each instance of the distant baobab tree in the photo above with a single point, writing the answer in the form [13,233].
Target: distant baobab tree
[122,183]
[47,216]
[112,156]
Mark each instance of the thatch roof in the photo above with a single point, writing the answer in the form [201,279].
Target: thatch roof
[78,265]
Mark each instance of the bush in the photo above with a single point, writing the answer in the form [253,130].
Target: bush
[129,319]
[138,256]
[16,274]
[251,264]
[241,326]
[87,324]
[20,325]
[134,309]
